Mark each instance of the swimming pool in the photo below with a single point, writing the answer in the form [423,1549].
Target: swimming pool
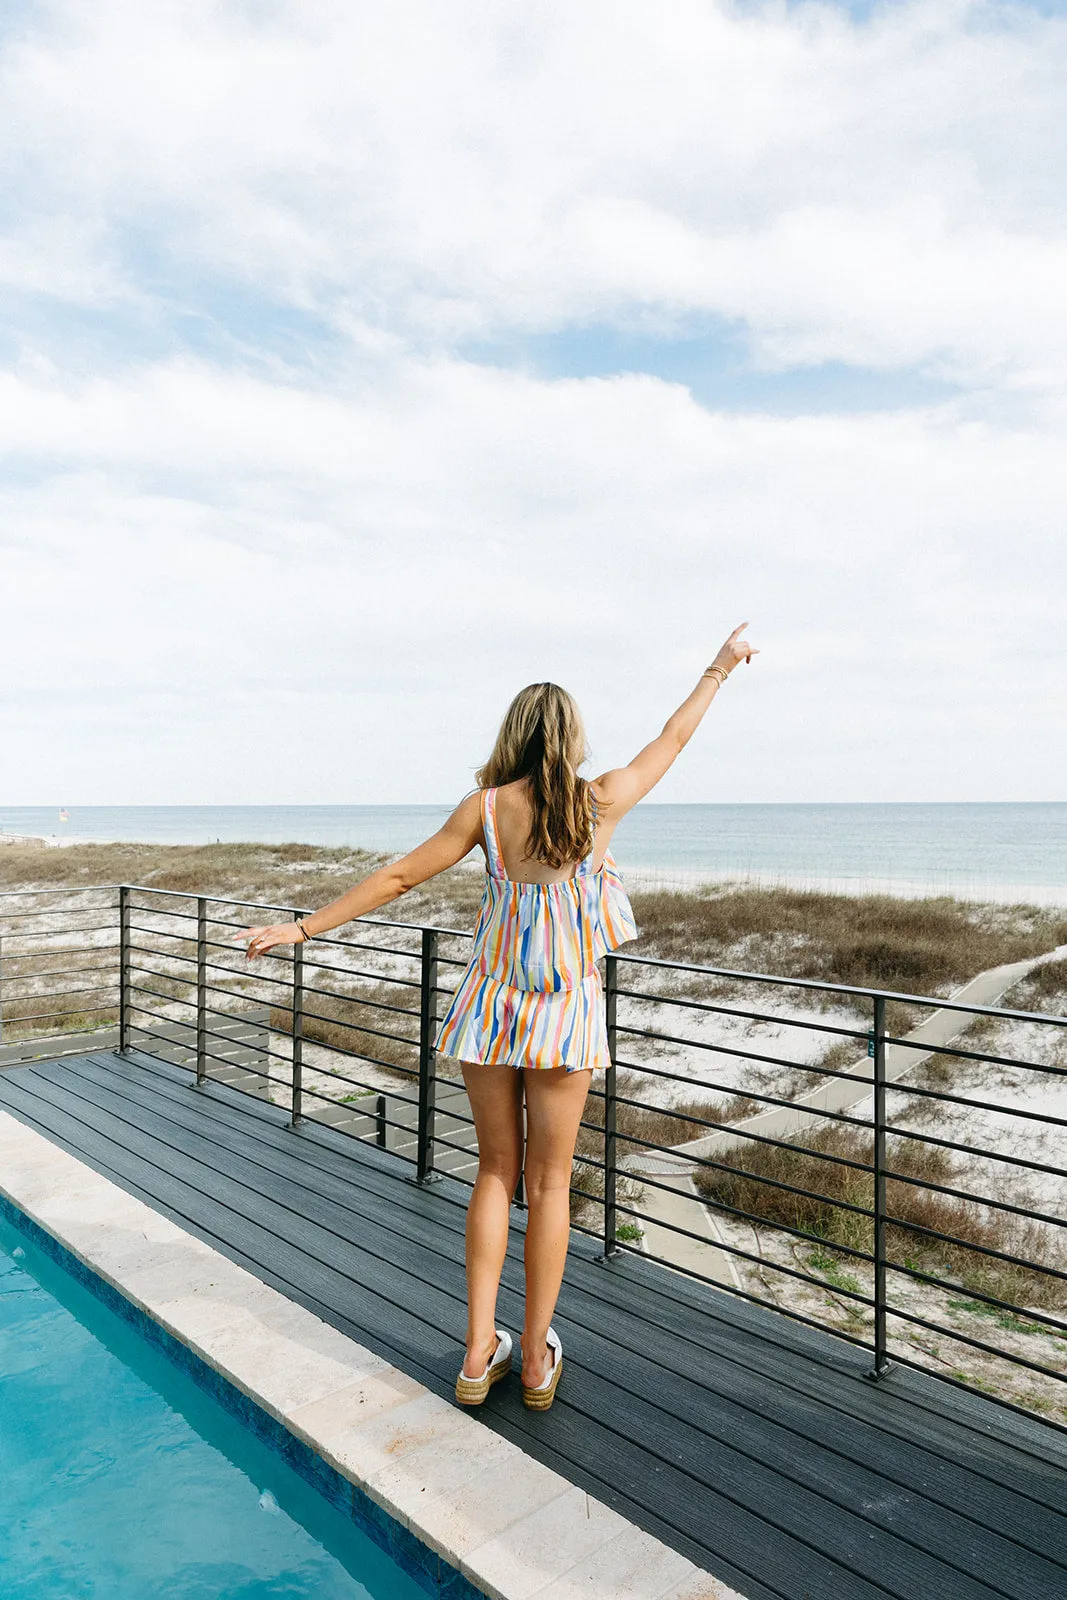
[122,1478]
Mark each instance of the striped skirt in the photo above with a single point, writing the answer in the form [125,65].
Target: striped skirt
[494,1023]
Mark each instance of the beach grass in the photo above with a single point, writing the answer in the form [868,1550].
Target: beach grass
[875,940]
[1041,986]
[833,1189]
[376,1028]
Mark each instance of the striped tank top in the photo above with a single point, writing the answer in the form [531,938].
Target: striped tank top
[531,994]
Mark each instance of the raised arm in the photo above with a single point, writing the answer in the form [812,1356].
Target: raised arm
[454,840]
[623,787]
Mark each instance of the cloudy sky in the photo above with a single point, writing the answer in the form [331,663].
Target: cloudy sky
[361,364]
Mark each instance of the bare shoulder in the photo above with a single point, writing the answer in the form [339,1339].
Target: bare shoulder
[613,789]
[467,817]
[612,802]
[454,839]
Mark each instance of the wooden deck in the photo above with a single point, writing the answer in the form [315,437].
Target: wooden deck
[751,1444]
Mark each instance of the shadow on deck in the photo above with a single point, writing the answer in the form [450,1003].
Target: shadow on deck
[755,1446]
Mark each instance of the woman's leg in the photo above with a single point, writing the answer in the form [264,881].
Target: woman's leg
[495,1095]
[554,1103]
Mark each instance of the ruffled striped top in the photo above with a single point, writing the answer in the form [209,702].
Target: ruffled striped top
[531,994]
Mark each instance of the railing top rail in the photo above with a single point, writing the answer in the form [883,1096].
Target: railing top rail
[80,888]
[936,1001]
[288,908]
[819,985]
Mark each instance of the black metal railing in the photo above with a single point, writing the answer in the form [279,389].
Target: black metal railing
[853,1190]
[57,946]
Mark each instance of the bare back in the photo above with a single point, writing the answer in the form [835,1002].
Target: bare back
[513,818]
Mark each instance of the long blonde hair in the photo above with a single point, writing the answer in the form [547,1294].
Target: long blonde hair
[542,739]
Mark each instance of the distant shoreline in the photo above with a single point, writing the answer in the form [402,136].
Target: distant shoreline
[689,880]
[53,841]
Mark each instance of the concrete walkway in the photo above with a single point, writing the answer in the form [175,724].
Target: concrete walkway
[679,1204]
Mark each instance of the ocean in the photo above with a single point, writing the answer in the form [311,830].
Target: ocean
[999,850]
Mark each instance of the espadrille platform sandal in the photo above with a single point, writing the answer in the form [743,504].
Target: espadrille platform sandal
[472,1391]
[541,1397]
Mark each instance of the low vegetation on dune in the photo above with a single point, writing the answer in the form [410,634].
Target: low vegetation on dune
[381,1027]
[872,941]
[270,872]
[1044,989]
[290,876]
[929,945]
[640,1128]
[1001,1272]
[875,941]
[835,1207]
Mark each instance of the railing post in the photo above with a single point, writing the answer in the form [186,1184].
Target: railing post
[296,1114]
[427,1060]
[201,990]
[611,994]
[882,1363]
[124,968]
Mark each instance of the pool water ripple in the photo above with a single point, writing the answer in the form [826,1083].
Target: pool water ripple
[123,1480]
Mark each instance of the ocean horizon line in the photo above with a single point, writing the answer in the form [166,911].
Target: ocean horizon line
[448,805]
[989,850]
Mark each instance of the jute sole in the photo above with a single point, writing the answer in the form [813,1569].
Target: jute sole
[472,1391]
[541,1399]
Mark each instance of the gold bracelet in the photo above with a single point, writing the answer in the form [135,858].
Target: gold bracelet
[716,672]
[303,930]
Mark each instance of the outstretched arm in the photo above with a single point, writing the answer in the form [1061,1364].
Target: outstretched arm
[449,844]
[625,786]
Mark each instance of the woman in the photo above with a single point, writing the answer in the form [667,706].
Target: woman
[530,998]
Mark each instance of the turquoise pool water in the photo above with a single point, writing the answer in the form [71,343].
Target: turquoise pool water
[122,1480]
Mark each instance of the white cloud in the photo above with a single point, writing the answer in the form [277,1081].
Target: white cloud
[263,571]
[294,565]
[886,193]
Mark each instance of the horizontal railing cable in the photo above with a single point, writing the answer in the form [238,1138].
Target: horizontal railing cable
[978,1105]
[824,986]
[974,1055]
[708,1083]
[747,1016]
[974,1150]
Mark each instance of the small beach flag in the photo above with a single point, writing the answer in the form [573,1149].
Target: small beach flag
[63,815]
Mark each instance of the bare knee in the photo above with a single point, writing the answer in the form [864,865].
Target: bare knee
[503,1168]
[543,1179]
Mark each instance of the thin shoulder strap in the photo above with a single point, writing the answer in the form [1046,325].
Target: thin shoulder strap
[492,843]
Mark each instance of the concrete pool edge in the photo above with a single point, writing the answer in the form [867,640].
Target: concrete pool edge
[464,1511]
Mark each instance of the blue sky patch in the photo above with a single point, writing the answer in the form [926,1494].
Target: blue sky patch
[715,366]
[215,320]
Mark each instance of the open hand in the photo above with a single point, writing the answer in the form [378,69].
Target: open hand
[734,650]
[260,940]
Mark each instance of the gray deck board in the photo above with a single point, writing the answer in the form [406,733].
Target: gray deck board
[750,1443]
[688,1385]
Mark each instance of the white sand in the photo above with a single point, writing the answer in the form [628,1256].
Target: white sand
[689,879]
